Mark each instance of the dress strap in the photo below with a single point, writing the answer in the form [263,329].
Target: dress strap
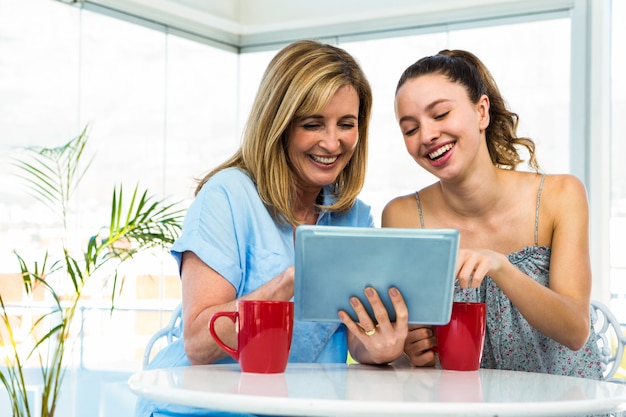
[419,208]
[543,177]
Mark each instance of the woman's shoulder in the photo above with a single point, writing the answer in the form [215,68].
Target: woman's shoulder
[560,188]
[564,180]
[229,179]
[361,205]
[229,187]
[564,194]
[400,202]
[551,185]
[231,175]
[402,211]
[359,214]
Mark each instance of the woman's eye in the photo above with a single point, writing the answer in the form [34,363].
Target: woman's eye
[410,132]
[441,116]
[311,126]
[347,126]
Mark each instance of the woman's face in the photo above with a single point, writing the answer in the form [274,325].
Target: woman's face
[321,145]
[442,129]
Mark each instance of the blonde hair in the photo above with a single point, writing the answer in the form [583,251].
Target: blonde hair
[299,81]
[466,69]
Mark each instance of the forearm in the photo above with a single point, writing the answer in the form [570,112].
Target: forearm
[564,318]
[198,309]
[200,347]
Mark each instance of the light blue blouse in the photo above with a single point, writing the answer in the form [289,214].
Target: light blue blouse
[230,229]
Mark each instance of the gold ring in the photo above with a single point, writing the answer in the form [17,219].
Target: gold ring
[370,332]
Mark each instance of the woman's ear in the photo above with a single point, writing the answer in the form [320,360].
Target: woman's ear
[483,111]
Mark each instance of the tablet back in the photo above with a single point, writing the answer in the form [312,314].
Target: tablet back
[333,263]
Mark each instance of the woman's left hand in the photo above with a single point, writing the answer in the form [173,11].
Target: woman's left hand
[377,340]
[420,344]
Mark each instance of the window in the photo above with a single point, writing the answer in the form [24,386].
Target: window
[618,170]
[163,110]
[533,93]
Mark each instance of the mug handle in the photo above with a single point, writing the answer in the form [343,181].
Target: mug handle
[233,315]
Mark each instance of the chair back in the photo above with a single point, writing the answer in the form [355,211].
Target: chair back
[610,339]
[172,332]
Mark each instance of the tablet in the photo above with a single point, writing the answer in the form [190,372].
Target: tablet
[333,263]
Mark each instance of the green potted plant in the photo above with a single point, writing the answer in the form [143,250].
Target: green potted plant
[137,223]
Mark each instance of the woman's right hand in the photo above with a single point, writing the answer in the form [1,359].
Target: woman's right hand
[474,264]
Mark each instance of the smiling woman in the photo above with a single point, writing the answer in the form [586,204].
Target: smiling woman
[524,235]
[302,161]
[149,89]
[320,146]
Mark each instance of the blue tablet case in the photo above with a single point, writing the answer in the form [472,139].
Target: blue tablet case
[333,263]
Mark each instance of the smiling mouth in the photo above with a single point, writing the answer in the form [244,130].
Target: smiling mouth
[439,152]
[326,160]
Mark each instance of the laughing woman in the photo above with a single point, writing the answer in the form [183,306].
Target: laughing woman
[302,161]
[524,235]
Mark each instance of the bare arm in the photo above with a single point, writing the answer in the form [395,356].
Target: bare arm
[204,292]
[401,212]
[561,310]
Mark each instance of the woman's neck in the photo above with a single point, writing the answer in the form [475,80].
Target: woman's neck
[476,195]
[305,207]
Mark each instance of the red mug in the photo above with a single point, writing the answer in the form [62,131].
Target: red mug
[460,342]
[264,329]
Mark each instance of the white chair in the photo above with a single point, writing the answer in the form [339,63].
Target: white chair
[171,333]
[610,339]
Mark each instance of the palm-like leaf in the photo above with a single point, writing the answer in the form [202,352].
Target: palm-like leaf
[142,222]
[13,381]
[53,174]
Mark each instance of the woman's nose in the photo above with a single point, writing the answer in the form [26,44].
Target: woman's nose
[331,139]
[429,132]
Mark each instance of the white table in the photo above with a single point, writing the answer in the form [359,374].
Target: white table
[361,390]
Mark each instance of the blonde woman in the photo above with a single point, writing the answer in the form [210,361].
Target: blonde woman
[302,161]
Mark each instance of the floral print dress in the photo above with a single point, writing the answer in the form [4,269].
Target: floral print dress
[511,343]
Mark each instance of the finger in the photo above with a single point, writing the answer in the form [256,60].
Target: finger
[419,346]
[422,359]
[466,271]
[420,340]
[478,275]
[401,310]
[465,278]
[461,260]
[364,320]
[380,311]
[419,332]
[352,326]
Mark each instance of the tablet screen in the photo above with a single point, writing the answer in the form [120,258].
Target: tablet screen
[333,263]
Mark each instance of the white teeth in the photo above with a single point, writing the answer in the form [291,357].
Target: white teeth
[324,160]
[440,151]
